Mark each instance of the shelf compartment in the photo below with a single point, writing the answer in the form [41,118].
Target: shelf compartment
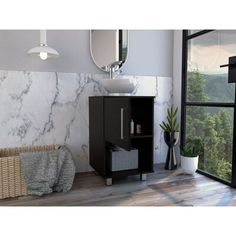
[142,111]
[145,150]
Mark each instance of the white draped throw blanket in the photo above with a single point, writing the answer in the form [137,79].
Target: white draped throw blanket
[48,171]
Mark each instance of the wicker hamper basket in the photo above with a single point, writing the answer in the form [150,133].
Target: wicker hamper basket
[12,183]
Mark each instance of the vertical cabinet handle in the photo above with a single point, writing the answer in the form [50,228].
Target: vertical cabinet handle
[122,123]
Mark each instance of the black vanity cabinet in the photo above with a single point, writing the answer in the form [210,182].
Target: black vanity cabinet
[110,126]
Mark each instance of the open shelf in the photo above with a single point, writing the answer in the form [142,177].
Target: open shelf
[142,114]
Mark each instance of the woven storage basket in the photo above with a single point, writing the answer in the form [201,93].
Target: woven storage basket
[12,183]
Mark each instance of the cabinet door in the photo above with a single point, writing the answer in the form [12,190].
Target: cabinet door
[117,121]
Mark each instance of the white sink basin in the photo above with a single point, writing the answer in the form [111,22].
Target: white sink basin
[117,86]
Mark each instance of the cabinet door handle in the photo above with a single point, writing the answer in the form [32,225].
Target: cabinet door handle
[122,123]
[228,65]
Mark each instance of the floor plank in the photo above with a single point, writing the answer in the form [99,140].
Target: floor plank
[162,188]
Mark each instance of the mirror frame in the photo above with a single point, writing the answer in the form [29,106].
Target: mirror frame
[90,48]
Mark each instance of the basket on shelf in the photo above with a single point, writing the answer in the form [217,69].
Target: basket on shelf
[12,183]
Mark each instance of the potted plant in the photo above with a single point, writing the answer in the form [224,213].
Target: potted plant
[189,154]
[171,136]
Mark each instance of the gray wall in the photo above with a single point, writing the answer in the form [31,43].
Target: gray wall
[177,68]
[150,52]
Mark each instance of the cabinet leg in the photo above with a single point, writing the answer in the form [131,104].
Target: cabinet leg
[143,177]
[109,181]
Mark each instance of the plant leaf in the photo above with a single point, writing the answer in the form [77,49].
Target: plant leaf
[172,123]
[168,112]
[163,127]
[175,112]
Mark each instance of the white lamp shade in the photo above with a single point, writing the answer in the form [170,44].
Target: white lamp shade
[43,48]
[52,53]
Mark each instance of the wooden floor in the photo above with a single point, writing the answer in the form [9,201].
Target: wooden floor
[162,188]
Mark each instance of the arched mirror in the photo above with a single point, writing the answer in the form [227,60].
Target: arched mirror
[109,48]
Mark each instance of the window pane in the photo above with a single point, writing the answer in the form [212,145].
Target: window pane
[206,81]
[214,126]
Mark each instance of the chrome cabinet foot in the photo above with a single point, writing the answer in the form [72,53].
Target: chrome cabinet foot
[109,181]
[143,177]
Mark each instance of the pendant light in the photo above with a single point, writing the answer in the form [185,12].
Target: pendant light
[43,50]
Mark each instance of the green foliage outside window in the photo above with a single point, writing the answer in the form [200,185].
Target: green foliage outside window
[214,126]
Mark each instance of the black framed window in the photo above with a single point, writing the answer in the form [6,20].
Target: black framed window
[208,100]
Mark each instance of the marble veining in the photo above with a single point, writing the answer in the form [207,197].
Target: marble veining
[47,107]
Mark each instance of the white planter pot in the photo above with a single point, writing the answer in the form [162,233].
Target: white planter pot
[189,164]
